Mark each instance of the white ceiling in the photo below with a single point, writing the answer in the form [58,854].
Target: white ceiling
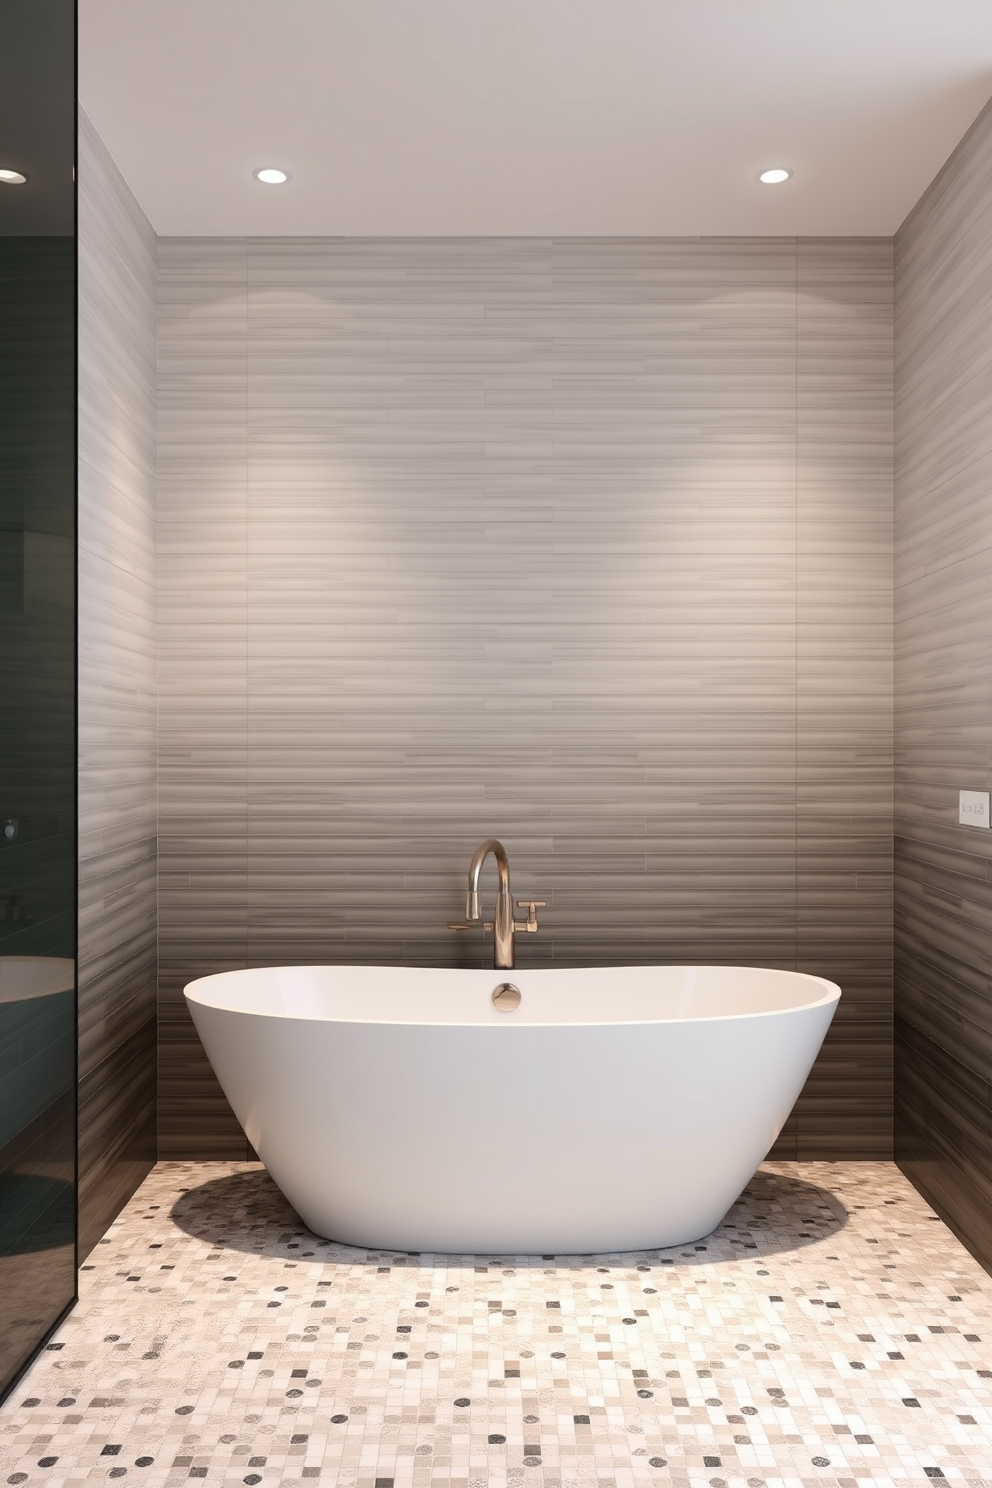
[602,117]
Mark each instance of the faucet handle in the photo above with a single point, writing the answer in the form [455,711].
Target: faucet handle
[532,906]
[478,925]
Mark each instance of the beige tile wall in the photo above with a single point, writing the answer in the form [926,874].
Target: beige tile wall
[583,543]
[117,712]
[944,693]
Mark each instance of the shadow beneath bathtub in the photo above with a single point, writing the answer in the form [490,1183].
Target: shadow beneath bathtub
[245,1211]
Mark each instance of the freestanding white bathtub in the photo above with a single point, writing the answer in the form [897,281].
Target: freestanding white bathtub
[614,1109]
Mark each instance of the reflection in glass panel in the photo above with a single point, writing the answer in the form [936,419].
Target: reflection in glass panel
[37,680]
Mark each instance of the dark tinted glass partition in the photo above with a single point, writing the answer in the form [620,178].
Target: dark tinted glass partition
[37,676]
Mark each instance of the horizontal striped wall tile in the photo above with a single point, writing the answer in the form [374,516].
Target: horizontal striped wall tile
[943,715]
[117,691]
[581,543]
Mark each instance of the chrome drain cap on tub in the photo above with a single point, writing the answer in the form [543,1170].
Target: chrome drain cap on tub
[506,997]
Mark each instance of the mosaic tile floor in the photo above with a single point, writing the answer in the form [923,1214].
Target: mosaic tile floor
[831,1332]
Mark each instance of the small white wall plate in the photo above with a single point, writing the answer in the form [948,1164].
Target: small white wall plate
[973,808]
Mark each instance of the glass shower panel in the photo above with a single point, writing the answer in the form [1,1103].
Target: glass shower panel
[37,678]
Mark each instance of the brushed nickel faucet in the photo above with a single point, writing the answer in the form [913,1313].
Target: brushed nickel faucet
[503,925]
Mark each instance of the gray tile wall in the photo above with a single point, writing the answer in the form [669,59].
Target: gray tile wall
[117,710]
[582,543]
[944,690]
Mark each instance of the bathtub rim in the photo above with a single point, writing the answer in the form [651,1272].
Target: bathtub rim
[831,993]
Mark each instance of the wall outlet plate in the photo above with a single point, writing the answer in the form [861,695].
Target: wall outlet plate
[973,808]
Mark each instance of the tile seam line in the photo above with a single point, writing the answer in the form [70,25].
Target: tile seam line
[795,572]
[904,585]
[245,349]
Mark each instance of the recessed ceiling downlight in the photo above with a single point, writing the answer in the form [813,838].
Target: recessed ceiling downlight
[12,178]
[271,176]
[775,176]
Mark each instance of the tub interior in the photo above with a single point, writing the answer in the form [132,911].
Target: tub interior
[587,995]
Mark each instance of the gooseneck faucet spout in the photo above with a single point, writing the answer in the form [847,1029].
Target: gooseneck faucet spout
[503,925]
[503,913]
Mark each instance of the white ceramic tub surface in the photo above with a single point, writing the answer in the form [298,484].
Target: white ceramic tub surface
[616,1109]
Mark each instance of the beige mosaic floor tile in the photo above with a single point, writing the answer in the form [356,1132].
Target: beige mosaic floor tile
[832,1332]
